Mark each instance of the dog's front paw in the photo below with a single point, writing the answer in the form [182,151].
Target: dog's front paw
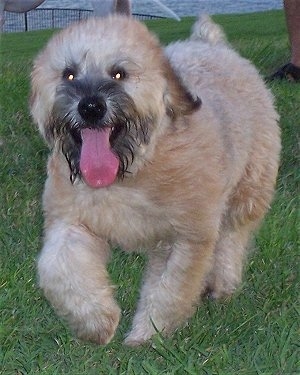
[91,319]
[144,327]
[140,334]
[73,276]
[97,325]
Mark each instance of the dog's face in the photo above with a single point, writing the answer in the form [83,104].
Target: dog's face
[102,92]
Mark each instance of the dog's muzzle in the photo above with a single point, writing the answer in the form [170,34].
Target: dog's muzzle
[99,129]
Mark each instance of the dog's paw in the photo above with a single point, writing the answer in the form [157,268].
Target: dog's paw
[220,288]
[143,328]
[93,318]
[97,325]
[139,335]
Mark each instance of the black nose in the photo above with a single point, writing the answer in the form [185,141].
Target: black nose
[92,108]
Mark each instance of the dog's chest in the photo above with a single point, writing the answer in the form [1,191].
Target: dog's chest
[124,216]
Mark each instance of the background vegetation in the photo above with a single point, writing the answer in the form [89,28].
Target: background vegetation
[253,333]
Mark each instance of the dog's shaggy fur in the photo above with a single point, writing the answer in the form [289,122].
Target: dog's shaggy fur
[173,150]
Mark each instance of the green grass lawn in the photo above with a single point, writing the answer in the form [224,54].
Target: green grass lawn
[256,332]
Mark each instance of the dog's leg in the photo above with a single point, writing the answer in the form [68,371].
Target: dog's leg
[230,254]
[73,276]
[246,208]
[171,289]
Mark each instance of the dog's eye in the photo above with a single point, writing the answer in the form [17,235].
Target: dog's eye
[118,74]
[69,74]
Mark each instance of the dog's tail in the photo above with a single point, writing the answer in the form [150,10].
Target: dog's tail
[207,31]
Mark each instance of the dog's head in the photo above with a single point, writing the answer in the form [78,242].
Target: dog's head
[102,91]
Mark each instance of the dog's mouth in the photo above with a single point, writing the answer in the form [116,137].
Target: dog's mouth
[99,164]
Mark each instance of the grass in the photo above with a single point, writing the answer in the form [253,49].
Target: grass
[256,332]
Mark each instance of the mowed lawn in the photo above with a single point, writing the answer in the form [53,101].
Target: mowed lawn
[256,332]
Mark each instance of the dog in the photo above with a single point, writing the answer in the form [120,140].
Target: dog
[171,150]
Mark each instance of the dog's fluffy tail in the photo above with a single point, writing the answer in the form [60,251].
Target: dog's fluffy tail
[207,31]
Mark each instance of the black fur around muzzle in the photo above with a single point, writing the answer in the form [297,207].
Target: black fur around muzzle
[83,104]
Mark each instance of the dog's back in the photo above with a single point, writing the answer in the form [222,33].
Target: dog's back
[231,88]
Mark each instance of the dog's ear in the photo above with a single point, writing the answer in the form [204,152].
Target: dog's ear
[178,100]
[123,7]
[40,113]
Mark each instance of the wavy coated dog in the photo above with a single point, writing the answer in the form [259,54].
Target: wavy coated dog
[171,150]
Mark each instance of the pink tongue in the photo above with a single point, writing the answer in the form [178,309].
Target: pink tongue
[98,164]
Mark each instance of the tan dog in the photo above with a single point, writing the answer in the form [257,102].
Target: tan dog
[140,161]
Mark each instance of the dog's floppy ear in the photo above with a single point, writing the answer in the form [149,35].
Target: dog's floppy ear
[123,7]
[178,100]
